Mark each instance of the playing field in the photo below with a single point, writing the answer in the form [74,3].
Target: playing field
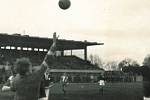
[88,91]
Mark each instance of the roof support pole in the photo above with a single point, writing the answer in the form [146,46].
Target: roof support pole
[62,53]
[85,53]
[71,52]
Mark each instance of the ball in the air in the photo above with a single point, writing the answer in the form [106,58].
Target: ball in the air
[64,4]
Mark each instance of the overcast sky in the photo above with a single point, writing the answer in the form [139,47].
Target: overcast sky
[123,25]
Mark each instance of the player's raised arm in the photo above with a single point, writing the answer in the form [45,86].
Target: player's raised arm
[50,56]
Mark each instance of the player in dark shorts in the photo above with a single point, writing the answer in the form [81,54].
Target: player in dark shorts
[26,83]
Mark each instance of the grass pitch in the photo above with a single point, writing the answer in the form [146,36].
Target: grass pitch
[91,91]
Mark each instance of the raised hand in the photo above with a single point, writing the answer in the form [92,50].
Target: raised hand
[50,56]
[54,38]
[53,47]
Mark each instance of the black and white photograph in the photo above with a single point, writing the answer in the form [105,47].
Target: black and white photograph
[74,50]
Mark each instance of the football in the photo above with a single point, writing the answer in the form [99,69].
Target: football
[64,4]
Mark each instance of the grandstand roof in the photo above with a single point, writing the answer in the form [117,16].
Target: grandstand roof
[18,40]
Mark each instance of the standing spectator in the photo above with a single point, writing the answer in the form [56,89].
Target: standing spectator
[3,74]
[9,81]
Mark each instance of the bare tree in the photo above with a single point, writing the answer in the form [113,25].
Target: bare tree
[127,62]
[146,61]
[91,58]
[96,60]
[111,65]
